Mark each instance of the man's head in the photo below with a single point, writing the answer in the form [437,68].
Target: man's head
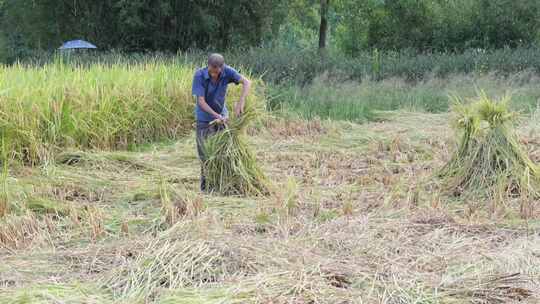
[215,65]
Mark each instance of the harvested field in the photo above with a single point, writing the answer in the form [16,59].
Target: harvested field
[360,217]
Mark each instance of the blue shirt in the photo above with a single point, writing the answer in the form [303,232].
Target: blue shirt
[214,93]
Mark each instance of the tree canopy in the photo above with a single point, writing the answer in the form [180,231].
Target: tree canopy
[350,25]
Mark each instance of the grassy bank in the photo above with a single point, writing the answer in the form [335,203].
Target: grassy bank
[335,99]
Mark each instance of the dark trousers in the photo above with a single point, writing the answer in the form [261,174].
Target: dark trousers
[204,130]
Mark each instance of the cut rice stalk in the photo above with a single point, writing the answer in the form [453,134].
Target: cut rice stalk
[231,167]
[489,159]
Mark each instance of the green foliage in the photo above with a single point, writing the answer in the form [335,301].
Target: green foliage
[355,26]
[285,65]
[4,190]
[47,206]
[336,99]
[436,25]
[300,28]
[400,24]
[339,99]
[327,100]
[137,25]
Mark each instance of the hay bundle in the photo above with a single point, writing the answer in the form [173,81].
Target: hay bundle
[489,160]
[231,167]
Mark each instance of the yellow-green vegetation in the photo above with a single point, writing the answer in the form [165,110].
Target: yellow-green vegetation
[231,167]
[57,293]
[490,160]
[47,109]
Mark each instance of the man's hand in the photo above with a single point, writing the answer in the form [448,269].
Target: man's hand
[217,117]
[221,119]
[238,108]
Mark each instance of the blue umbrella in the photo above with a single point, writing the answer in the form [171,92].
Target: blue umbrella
[77,44]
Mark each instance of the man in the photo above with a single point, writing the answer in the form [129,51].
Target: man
[210,89]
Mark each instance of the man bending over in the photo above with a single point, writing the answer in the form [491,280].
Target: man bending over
[210,89]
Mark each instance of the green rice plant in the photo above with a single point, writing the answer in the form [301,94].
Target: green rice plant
[489,159]
[4,196]
[103,107]
[231,167]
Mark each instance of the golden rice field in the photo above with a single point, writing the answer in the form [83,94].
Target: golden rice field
[46,109]
[99,203]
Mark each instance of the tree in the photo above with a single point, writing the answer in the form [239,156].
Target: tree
[323,29]
[140,25]
[440,25]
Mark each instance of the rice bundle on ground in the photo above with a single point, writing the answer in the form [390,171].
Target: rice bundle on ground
[490,160]
[231,167]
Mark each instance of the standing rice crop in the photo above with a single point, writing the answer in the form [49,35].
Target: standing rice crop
[46,109]
[490,159]
[57,106]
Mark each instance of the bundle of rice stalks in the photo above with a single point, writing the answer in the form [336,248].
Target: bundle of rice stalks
[231,167]
[489,159]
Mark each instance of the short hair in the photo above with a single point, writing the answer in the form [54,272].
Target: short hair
[216,60]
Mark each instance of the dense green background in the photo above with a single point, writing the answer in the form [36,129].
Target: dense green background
[354,25]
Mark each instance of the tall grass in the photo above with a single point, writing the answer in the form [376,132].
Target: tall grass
[145,97]
[329,97]
[4,197]
[303,66]
[44,109]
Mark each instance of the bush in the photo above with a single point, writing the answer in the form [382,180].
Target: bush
[292,66]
